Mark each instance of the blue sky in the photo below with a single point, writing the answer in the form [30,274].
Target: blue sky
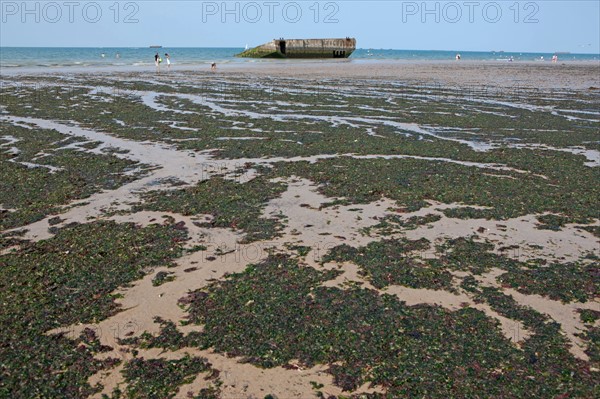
[544,26]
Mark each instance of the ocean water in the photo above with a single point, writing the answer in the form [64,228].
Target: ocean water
[28,57]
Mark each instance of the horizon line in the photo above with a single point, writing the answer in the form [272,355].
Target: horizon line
[358,48]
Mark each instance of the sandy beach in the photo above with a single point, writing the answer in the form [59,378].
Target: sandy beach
[314,229]
[542,74]
[576,75]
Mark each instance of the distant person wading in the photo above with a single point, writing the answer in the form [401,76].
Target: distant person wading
[157,61]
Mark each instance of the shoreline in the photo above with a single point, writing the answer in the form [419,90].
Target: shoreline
[239,62]
[575,75]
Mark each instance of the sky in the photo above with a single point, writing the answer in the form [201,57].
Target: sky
[526,26]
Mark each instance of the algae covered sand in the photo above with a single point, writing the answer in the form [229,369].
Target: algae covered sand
[234,235]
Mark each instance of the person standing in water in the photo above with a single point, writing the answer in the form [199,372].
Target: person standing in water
[157,61]
[168,58]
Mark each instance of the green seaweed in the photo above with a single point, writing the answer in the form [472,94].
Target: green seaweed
[589,315]
[160,378]
[466,254]
[65,280]
[566,282]
[232,205]
[392,224]
[34,193]
[393,262]
[410,182]
[162,277]
[276,311]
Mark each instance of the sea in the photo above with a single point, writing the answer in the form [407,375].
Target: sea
[61,57]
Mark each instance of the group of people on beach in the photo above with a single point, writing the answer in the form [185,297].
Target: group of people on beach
[158,61]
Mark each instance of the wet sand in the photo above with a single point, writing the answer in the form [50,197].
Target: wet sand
[302,204]
[464,73]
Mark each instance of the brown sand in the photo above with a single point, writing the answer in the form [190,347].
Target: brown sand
[447,73]
[306,222]
[578,75]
